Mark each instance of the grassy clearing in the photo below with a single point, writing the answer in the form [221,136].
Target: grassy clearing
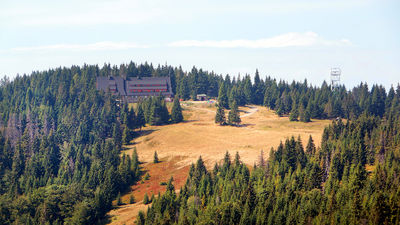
[179,145]
[200,136]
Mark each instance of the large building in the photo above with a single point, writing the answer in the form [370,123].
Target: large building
[133,89]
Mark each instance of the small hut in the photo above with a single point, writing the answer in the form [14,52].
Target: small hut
[201,97]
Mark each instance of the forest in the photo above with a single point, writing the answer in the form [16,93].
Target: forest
[61,142]
[297,185]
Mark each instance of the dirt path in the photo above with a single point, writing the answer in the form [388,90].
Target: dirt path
[252,110]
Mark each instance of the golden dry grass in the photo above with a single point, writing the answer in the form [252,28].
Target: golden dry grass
[199,135]
[179,145]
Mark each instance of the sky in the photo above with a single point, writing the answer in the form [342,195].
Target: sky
[289,40]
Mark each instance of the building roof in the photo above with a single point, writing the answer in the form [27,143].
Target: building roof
[123,86]
[104,83]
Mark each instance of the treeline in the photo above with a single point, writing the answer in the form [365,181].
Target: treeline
[154,111]
[353,178]
[299,99]
[60,143]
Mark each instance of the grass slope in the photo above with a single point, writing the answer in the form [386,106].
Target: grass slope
[179,145]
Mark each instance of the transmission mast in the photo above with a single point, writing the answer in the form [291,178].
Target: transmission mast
[335,77]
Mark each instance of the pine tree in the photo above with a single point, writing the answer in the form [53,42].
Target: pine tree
[223,97]
[119,201]
[141,218]
[117,135]
[155,157]
[146,199]
[140,119]
[294,114]
[233,116]
[176,112]
[155,112]
[305,114]
[184,92]
[310,148]
[220,116]
[237,159]
[261,160]
[126,136]
[164,111]
[248,90]
[131,119]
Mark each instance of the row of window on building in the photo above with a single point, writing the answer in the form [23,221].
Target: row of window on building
[146,85]
[147,90]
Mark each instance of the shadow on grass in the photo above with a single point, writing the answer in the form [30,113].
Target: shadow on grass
[246,125]
[105,220]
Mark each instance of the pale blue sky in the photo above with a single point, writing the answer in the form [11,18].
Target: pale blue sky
[285,39]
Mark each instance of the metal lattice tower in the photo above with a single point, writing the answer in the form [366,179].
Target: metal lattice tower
[335,77]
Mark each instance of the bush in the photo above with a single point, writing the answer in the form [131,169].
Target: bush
[146,176]
[131,199]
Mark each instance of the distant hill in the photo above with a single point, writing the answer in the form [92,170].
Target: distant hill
[60,144]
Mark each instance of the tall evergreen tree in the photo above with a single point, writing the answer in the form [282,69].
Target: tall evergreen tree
[233,115]
[126,136]
[248,90]
[294,114]
[220,115]
[222,96]
[310,148]
[176,113]
[140,119]
[155,157]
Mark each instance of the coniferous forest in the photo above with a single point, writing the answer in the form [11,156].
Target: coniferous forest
[61,142]
[296,185]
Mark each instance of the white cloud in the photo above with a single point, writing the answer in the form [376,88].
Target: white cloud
[79,13]
[101,12]
[292,39]
[106,45]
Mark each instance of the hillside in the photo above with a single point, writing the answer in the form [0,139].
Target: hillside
[180,145]
[67,151]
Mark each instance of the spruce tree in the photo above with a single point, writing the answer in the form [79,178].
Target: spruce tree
[146,199]
[117,135]
[220,116]
[126,136]
[294,114]
[233,116]
[119,201]
[131,119]
[155,157]
[184,91]
[305,115]
[222,96]
[176,112]
[155,112]
[140,119]
[237,159]
[164,111]
[141,218]
[248,90]
[310,148]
